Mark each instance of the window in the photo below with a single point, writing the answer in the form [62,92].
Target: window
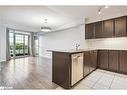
[19,43]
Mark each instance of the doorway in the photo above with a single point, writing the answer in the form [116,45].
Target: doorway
[19,44]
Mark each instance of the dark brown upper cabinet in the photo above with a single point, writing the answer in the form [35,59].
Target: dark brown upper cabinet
[108,28]
[113,60]
[90,31]
[120,27]
[103,59]
[116,27]
[98,30]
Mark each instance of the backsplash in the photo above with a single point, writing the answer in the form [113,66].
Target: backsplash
[107,43]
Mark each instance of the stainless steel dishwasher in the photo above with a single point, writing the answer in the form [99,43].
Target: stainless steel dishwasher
[77,68]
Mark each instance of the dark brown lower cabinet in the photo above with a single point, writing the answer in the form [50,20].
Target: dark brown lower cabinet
[86,63]
[93,59]
[113,60]
[61,69]
[103,59]
[123,62]
[90,61]
[69,68]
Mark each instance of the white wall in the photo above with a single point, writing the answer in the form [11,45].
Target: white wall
[65,39]
[119,43]
[2,43]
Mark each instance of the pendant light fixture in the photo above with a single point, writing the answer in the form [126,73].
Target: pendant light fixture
[45,28]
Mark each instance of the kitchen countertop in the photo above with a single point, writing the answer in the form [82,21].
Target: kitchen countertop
[71,50]
[79,50]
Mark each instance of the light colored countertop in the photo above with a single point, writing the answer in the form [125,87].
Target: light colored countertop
[111,49]
[71,50]
[80,50]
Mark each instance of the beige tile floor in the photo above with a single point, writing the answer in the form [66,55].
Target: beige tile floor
[102,80]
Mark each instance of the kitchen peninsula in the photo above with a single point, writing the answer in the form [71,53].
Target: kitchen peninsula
[70,66]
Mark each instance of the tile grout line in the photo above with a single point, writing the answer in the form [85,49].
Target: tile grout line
[97,81]
[112,82]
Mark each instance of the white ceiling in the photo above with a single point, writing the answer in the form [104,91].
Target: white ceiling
[33,16]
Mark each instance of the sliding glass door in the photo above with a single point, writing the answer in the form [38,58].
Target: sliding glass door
[36,46]
[19,44]
[11,41]
[26,43]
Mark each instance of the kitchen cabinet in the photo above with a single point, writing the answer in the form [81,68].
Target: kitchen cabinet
[68,68]
[103,59]
[76,68]
[113,60]
[98,30]
[61,69]
[123,62]
[90,61]
[108,28]
[87,62]
[120,27]
[115,27]
[93,58]
[90,31]
[87,31]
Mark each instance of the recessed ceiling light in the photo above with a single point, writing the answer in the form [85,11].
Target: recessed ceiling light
[106,7]
[99,12]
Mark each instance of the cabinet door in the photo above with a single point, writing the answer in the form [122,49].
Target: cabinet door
[93,58]
[120,27]
[123,61]
[108,28]
[113,60]
[98,30]
[86,63]
[90,31]
[86,31]
[103,59]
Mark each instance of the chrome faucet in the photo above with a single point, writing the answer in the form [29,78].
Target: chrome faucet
[77,46]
